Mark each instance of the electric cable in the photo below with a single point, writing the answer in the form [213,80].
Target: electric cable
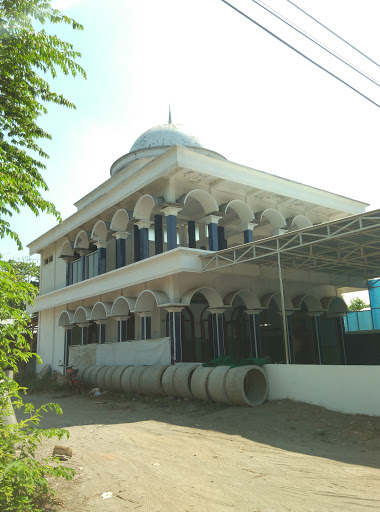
[313,39]
[334,33]
[300,53]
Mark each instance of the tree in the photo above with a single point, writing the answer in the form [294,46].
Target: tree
[27,51]
[24,53]
[357,304]
[24,270]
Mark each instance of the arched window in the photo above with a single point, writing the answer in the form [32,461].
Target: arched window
[237,334]
[207,344]
[92,333]
[271,333]
[303,340]
[131,325]
[187,336]
[189,353]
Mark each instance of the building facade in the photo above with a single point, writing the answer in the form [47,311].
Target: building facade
[121,279]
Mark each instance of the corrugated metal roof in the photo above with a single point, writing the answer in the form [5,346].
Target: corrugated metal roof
[346,246]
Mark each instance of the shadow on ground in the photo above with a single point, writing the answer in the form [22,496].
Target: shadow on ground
[291,426]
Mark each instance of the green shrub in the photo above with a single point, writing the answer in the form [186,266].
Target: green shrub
[23,473]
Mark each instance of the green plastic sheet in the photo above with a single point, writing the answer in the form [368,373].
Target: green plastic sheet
[233,362]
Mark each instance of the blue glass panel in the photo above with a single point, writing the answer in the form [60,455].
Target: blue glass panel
[376,318]
[90,266]
[365,321]
[352,321]
[96,263]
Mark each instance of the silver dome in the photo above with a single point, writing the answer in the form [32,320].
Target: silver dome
[166,135]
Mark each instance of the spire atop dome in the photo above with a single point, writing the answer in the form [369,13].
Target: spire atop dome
[170,116]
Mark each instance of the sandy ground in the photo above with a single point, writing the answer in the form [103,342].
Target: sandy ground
[178,455]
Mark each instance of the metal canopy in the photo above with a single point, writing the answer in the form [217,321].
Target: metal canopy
[346,246]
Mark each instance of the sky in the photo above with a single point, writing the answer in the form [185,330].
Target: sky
[237,89]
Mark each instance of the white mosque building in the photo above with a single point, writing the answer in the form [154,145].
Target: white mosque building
[121,279]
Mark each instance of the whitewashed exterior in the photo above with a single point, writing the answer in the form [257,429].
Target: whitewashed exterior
[131,253]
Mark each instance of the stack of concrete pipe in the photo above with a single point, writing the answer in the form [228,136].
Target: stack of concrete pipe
[244,385]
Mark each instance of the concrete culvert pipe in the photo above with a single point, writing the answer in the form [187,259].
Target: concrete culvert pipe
[215,385]
[135,379]
[81,372]
[150,381]
[116,378]
[125,381]
[100,377]
[182,379]
[246,385]
[199,382]
[108,377]
[85,374]
[167,380]
[92,375]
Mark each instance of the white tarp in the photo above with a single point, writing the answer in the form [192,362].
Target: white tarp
[150,352]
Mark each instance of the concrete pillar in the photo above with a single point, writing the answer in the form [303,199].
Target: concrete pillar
[136,243]
[69,277]
[102,252]
[68,274]
[248,228]
[175,333]
[143,226]
[254,332]
[83,267]
[218,331]
[68,341]
[158,234]
[120,237]
[101,331]
[212,223]
[171,213]
[191,234]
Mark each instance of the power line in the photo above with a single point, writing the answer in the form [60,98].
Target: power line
[311,38]
[332,32]
[299,53]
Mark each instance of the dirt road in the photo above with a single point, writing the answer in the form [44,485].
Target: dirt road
[184,456]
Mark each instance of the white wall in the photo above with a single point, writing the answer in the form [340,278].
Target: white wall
[348,389]
[60,272]
[45,338]
[51,338]
[111,255]
[47,282]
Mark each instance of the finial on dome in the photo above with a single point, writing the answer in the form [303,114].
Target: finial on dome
[170,116]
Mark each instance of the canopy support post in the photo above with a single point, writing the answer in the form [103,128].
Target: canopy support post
[283,313]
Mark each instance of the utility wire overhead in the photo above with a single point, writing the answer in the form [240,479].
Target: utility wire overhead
[299,53]
[334,33]
[298,29]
